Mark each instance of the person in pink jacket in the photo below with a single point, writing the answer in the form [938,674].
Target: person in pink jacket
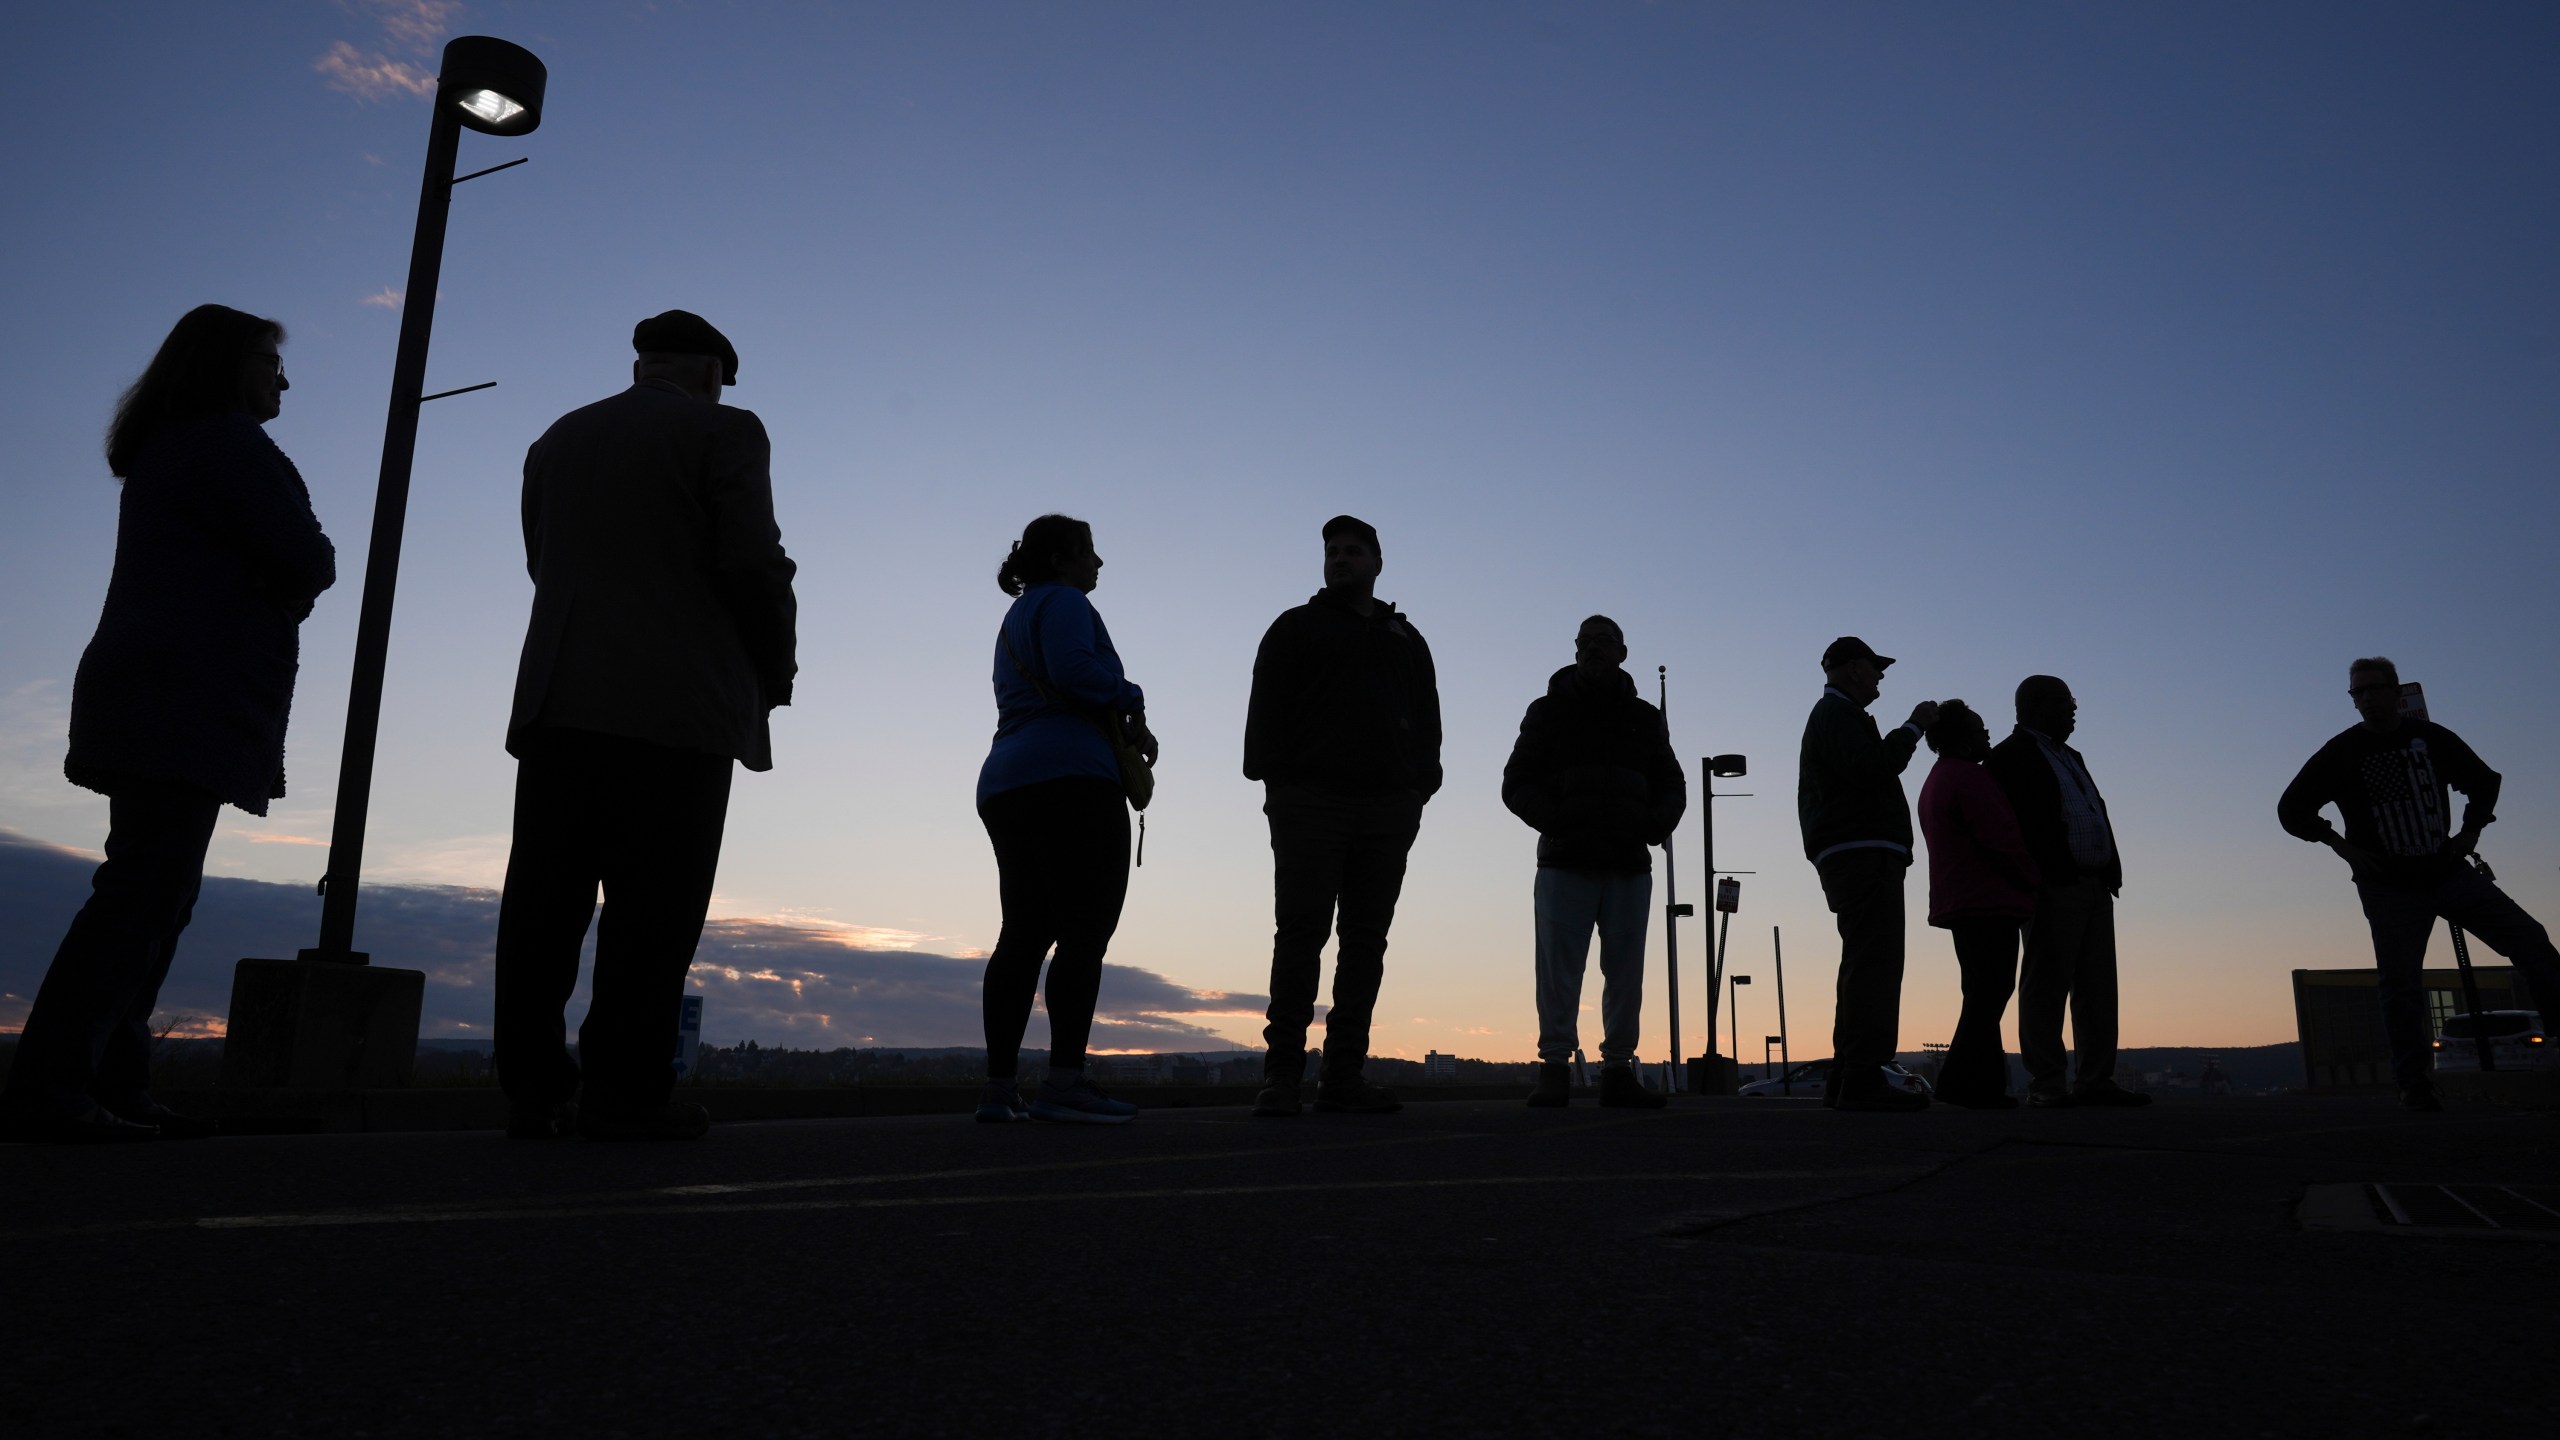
[1982,885]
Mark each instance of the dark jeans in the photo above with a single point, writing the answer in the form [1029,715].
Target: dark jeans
[1976,1066]
[1062,865]
[2404,920]
[643,821]
[1864,890]
[2070,960]
[88,1036]
[1332,855]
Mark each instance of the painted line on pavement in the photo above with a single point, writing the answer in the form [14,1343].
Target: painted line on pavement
[341,1219]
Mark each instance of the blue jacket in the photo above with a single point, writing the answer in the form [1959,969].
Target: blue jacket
[1059,637]
[190,675]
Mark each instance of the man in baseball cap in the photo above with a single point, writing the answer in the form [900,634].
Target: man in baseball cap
[1857,833]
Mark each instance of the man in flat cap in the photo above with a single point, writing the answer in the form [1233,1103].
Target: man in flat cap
[662,637]
[1343,730]
[1857,833]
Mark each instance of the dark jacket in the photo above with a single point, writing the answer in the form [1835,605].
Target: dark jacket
[2027,778]
[1593,774]
[1344,702]
[662,604]
[1054,638]
[1849,779]
[190,675]
[2390,789]
[1979,868]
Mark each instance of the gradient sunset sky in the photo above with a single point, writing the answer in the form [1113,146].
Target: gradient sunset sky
[2185,351]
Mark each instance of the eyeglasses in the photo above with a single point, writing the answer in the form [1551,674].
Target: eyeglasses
[2358,692]
[269,356]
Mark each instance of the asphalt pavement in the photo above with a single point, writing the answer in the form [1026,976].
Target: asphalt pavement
[1722,1268]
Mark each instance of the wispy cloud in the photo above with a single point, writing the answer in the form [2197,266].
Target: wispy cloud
[371,75]
[808,983]
[256,838]
[374,72]
[386,298]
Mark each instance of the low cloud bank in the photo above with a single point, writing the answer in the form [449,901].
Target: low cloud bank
[776,982]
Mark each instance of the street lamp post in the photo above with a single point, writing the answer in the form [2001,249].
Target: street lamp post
[1713,1074]
[1673,912]
[327,1019]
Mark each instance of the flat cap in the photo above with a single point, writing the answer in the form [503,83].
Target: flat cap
[1850,647]
[681,332]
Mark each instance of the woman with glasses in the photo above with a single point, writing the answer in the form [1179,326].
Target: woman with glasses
[178,707]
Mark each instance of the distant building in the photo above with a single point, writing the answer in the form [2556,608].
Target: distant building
[1436,1066]
[2339,1017]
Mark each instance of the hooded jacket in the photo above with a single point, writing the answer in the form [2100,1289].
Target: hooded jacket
[1593,774]
[1344,702]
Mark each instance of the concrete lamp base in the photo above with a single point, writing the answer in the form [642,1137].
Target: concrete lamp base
[321,1025]
[1712,1075]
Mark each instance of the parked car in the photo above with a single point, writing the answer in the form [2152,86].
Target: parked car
[1807,1080]
[2516,1041]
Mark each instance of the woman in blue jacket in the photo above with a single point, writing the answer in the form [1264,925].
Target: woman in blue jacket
[178,708]
[1051,798]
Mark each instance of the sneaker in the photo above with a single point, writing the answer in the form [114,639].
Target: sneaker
[1081,1102]
[2108,1095]
[1356,1096]
[2421,1096]
[1621,1090]
[2042,1096]
[1277,1101]
[674,1120]
[541,1120]
[1000,1103]
[1555,1086]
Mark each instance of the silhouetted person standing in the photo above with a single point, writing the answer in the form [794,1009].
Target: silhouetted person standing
[662,636]
[1857,833]
[1593,774]
[2071,941]
[178,707]
[1344,732]
[1051,796]
[1982,888]
[2388,774]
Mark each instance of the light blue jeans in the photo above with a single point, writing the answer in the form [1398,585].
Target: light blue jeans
[1571,904]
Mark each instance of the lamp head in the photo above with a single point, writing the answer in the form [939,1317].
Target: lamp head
[1729,765]
[493,86]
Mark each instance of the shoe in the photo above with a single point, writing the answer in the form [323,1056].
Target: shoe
[2041,1096]
[1555,1086]
[1000,1103]
[2108,1095]
[1989,1100]
[1621,1090]
[89,1124]
[1878,1098]
[1355,1096]
[675,1120]
[143,1110]
[1080,1102]
[542,1120]
[1277,1100]
[2422,1097]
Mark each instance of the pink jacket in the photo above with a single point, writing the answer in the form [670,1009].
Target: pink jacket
[1979,868]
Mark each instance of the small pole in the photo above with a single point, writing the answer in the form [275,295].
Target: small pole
[1670,902]
[1778,959]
